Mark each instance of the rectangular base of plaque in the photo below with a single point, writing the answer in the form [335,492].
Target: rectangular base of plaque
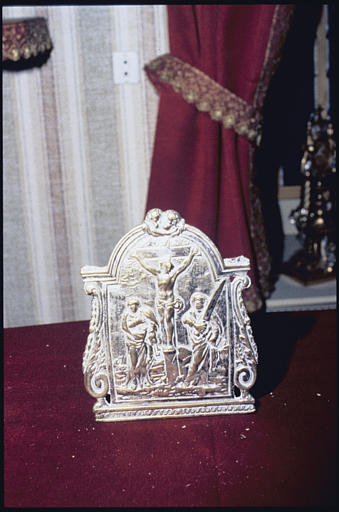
[175,409]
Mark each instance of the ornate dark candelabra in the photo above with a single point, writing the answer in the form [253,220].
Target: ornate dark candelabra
[315,216]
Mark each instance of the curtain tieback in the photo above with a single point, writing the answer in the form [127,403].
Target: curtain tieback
[207,95]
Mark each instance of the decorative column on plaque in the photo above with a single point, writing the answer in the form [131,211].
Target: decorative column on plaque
[169,333]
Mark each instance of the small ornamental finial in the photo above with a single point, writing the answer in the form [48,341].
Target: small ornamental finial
[159,223]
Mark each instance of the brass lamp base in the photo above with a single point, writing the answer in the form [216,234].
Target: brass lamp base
[307,268]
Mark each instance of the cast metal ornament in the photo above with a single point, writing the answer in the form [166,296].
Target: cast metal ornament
[169,333]
[315,216]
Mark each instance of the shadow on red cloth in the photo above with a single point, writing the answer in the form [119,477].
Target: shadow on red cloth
[276,336]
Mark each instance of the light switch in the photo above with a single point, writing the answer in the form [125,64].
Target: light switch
[125,67]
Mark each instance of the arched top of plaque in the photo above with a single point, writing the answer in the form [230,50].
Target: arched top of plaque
[169,333]
[164,226]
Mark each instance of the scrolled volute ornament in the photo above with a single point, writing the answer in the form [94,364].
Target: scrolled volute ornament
[245,377]
[94,361]
[246,354]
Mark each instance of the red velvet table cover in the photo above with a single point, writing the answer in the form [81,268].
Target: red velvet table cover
[56,455]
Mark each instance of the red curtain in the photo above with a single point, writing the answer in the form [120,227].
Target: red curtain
[212,86]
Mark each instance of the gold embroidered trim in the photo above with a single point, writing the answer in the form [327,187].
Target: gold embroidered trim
[24,38]
[280,25]
[207,95]
[281,22]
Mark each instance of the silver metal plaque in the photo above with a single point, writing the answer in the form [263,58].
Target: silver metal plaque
[169,334]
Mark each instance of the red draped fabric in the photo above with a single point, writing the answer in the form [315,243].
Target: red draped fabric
[212,87]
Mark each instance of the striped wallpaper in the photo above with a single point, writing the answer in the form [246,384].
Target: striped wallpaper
[76,155]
